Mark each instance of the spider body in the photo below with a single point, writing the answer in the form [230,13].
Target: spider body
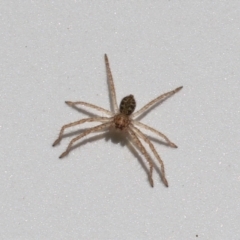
[122,119]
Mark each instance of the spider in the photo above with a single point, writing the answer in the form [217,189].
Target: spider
[122,119]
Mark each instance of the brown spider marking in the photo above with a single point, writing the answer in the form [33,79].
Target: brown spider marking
[122,119]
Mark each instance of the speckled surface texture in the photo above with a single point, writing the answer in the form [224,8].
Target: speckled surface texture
[52,51]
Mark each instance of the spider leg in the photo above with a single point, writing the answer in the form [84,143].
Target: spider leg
[171,144]
[146,139]
[85,133]
[111,84]
[72,104]
[143,151]
[94,119]
[155,101]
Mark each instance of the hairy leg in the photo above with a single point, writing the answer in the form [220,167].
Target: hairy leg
[111,84]
[171,144]
[72,104]
[95,119]
[85,133]
[146,139]
[143,151]
[155,101]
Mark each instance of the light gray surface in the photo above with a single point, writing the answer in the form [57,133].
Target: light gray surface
[52,52]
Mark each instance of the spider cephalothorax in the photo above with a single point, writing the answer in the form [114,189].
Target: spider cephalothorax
[122,118]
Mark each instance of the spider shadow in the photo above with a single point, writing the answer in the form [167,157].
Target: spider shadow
[118,138]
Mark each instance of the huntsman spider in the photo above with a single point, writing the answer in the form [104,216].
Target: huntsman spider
[122,119]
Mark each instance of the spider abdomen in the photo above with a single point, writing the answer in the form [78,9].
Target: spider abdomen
[127,105]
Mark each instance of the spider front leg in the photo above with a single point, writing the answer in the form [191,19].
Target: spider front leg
[144,152]
[111,84]
[95,119]
[85,133]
